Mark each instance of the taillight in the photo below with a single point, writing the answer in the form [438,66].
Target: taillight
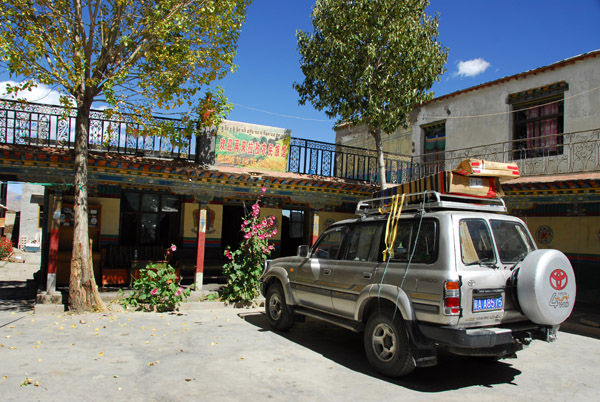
[452,298]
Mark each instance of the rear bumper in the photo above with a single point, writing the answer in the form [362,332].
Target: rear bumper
[478,337]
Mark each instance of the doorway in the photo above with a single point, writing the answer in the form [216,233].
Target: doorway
[293,231]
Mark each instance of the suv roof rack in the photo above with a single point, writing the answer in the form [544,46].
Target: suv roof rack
[433,200]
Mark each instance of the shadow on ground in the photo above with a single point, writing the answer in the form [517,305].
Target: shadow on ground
[346,348]
[17,295]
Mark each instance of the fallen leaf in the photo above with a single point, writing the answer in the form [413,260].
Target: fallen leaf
[115,376]
[101,354]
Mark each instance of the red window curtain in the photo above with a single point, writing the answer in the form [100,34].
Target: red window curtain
[550,127]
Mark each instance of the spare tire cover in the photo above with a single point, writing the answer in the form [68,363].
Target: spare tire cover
[546,287]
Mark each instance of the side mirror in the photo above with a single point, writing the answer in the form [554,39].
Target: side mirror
[302,251]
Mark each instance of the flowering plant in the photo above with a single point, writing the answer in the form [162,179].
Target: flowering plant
[6,248]
[157,288]
[247,261]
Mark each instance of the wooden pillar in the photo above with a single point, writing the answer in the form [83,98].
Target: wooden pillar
[201,244]
[53,251]
[315,231]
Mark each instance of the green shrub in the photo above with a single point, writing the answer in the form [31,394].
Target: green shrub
[157,289]
[247,261]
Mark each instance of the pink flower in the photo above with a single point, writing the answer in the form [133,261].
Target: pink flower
[154,291]
[178,291]
[274,231]
[173,247]
[228,254]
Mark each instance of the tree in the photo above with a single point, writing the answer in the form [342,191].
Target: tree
[370,61]
[135,55]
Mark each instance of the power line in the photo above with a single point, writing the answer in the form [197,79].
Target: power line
[281,115]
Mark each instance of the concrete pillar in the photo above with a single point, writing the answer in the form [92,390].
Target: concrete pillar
[201,244]
[53,252]
[315,231]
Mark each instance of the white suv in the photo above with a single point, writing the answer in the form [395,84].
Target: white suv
[457,273]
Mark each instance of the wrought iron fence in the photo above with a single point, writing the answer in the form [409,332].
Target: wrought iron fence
[332,160]
[574,152]
[50,126]
[47,126]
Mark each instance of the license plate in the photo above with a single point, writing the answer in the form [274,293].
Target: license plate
[487,304]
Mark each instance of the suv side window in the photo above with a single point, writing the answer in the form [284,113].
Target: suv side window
[426,246]
[476,242]
[362,244]
[330,243]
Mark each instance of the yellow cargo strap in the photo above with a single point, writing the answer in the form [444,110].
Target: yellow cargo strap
[392,225]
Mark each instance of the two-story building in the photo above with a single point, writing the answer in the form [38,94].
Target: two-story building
[547,121]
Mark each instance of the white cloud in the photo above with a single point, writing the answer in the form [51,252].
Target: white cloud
[40,94]
[472,68]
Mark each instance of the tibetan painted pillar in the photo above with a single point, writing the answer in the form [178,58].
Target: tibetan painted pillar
[201,244]
[53,252]
[315,231]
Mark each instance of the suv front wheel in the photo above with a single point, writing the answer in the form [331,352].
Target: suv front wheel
[278,312]
[386,344]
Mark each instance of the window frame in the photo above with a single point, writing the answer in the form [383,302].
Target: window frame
[140,213]
[528,110]
[415,227]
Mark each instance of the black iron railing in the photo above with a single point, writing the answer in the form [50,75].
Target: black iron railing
[49,126]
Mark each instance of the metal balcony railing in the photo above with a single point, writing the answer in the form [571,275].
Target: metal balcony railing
[574,152]
[46,126]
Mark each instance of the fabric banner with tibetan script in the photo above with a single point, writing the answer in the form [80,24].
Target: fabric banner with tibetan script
[252,146]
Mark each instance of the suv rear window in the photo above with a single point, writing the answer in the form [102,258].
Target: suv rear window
[512,240]
[476,245]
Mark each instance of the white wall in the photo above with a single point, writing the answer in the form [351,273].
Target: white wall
[480,116]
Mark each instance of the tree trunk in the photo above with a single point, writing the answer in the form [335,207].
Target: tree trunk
[83,291]
[376,133]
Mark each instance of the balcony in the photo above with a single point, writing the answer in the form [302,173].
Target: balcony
[39,125]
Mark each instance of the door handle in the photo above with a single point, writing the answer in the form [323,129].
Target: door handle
[326,272]
[367,275]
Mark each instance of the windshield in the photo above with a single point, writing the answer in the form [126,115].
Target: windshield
[512,240]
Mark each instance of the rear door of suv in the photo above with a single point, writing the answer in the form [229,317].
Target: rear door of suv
[356,267]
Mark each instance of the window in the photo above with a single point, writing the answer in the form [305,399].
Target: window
[512,240]
[149,219]
[425,250]
[476,242]
[539,121]
[330,243]
[434,147]
[362,242]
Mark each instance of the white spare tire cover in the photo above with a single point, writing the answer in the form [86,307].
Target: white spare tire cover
[546,287]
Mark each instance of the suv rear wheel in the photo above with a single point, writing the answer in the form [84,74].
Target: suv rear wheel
[386,344]
[278,312]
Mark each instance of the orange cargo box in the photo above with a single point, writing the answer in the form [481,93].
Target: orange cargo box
[483,168]
[448,183]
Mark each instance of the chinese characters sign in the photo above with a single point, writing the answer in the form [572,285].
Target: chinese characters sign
[251,145]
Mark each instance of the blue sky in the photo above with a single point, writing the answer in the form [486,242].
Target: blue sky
[487,40]
[508,36]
